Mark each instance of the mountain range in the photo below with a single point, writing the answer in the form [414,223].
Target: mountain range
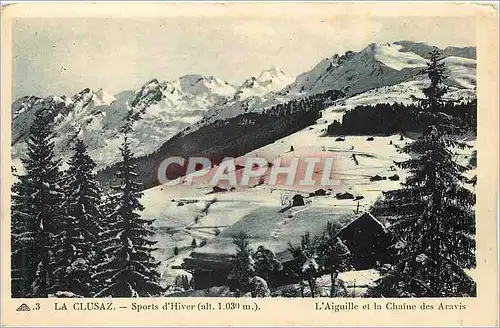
[160,110]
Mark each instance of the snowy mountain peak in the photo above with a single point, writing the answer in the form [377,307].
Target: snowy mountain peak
[99,97]
[273,75]
[378,64]
[422,49]
[270,80]
[148,93]
[394,56]
[85,95]
[198,84]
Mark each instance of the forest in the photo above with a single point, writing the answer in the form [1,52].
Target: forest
[386,119]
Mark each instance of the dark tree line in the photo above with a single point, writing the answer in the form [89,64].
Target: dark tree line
[385,119]
[67,236]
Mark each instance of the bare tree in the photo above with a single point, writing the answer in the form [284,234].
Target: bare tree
[286,199]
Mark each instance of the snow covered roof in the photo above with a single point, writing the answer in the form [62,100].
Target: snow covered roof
[271,229]
[366,215]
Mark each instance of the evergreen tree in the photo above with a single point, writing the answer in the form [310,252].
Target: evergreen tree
[194,243]
[109,204]
[434,220]
[305,258]
[434,93]
[129,269]
[23,242]
[334,255]
[36,212]
[242,264]
[81,224]
[266,264]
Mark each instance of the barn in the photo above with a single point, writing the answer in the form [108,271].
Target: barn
[298,200]
[344,195]
[367,239]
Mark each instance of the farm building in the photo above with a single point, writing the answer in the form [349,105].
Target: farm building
[344,195]
[298,200]
[320,192]
[367,239]
[364,235]
[394,177]
[377,178]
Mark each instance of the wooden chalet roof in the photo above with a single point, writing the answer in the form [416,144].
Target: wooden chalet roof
[261,226]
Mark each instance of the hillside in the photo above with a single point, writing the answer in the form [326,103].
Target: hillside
[375,66]
[187,212]
[359,109]
[166,113]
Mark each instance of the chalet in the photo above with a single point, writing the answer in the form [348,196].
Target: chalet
[208,270]
[340,139]
[367,239]
[298,200]
[344,195]
[320,192]
[377,178]
[364,235]
[394,177]
[369,139]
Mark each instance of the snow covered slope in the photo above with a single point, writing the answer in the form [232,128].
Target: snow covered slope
[374,66]
[399,93]
[379,64]
[422,49]
[462,72]
[186,212]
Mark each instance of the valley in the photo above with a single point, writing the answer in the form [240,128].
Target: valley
[270,115]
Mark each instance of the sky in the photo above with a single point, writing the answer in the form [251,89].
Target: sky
[61,56]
